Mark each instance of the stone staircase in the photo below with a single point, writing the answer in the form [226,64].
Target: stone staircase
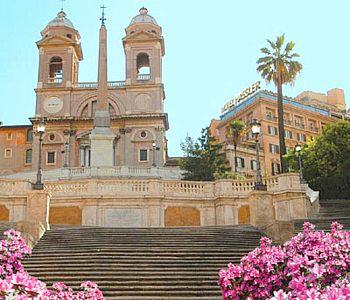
[330,211]
[142,263]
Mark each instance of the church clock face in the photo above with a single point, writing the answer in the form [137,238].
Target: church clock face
[53,105]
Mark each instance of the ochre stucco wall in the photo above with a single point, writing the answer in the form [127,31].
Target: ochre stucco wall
[70,215]
[182,216]
[4,214]
[244,214]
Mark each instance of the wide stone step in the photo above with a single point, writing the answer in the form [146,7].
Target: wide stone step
[147,245]
[120,269]
[149,250]
[108,276]
[140,297]
[142,263]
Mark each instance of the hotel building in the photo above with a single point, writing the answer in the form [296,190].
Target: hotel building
[304,117]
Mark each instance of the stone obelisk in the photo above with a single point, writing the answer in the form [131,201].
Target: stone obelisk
[101,137]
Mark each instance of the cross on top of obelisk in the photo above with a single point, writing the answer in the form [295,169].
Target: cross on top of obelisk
[62,1]
[103,19]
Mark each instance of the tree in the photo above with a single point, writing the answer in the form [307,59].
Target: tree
[279,65]
[326,161]
[234,132]
[204,158]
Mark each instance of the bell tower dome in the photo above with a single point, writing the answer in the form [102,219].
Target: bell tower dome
[144,49]
[59,53]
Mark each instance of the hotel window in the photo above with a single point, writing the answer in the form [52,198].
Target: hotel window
[288,134]
[249,118]
[270,114]
[298,121]
[143,155]
[274,148]
[8,153]
[29,137]
[276,168]
[9,136]
[51,158]
[253,164]
[287,119]
[312,125]
[301,137]
[272,130]
[240,163]
[29,156]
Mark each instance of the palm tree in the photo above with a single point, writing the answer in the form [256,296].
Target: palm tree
[234,131]
[279,65]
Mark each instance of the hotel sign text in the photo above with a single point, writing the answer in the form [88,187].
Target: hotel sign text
[242,96]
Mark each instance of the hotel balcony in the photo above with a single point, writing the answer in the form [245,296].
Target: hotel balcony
[271,118]
[299,125]
[313,129]
[287,122]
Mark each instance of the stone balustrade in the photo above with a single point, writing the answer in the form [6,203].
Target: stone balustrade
[152,187]
[147,202]
[93,85]
[101,172]
[14,187]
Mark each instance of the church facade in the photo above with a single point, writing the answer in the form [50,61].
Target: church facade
[135,106]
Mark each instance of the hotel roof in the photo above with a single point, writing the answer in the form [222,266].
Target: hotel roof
[271,96]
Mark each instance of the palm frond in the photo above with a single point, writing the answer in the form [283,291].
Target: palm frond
[265,51]
[289,46]
[280,41]
[272,44]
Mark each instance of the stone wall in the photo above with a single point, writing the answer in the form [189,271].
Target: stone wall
[157,203]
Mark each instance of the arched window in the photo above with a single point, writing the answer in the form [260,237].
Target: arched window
[56,70]
[29,137]
[90,109]
[143,66]
[29,156]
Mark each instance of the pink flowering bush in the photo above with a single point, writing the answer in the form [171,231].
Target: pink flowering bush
[312,265]
[16,283]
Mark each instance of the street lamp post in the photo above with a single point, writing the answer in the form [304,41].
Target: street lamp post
[65,151]
[39,183]
[154,149]
[256,128]
[300,163]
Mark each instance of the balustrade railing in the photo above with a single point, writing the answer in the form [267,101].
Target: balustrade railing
[66,188]
[143,77]
[13,187]
[313,129]
[150,187]
[55,80]
[299,125]
[93,85]
[271,118]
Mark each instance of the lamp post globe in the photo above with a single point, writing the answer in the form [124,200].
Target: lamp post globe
[256,129]
[297,148]
[154,149]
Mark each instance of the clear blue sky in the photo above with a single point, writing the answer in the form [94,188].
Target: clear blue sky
[211,50]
